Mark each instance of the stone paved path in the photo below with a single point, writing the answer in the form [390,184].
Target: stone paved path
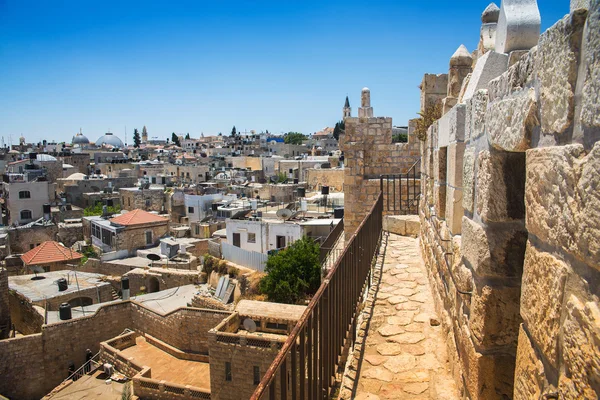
[404,354]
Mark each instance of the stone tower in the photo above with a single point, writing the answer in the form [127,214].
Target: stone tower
[4,307]
[347,112]
[144,135]
[365,110]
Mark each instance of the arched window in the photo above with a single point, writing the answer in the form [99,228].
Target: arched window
[26,214]
[24,194]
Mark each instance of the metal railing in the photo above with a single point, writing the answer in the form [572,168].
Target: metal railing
[329,243]
[309,362]
[401,192]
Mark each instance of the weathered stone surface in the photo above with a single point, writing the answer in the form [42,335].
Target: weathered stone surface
[518,25]
[529,372]
[510,122]
[456,153]
[454,209]
[490,14]
[581,351]
[489,66]
[390,330]
[543,284]
[519,75]
[379,373]
[577,4]
[408,338]
[475,116]
[587,121]
[493,252]
[439,198]
[500,186]
[563,200]
[452,126]
[468,178]
[400,363]
[495,317]
[515,56]
[558,52]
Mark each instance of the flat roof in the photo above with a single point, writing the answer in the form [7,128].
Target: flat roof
[262,309]
[321,222]
[40,289]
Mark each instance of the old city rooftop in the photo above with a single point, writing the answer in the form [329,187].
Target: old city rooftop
[49,252]
[137,217]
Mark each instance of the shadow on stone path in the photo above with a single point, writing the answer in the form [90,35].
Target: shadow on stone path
[404,356]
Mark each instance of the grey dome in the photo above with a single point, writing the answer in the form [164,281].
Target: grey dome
[109,139]
[80,139]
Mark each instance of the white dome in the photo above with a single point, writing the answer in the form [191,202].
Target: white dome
[77,176]
[109,139]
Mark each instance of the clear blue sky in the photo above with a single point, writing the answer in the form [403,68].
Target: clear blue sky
[203,66]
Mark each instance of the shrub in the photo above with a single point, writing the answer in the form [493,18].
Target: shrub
[244,284]
[209,264]
[233,272]
[428,116]
[293,273]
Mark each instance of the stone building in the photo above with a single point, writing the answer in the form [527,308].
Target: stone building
[5,323]
[150,199]
[509,221]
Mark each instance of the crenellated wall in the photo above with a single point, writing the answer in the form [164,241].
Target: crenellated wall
[510,220]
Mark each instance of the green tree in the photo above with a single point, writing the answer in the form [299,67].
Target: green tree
[233,132]
[340,127]
[175,139]
[293,138]
[293,273]
[187,136]
[136,138]
[97,210]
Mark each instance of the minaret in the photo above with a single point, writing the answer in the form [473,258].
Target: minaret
[144,135]
[347,110]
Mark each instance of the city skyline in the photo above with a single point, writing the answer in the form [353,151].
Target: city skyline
[202,68]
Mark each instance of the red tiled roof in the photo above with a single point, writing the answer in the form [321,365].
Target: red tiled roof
[137,217]
[49,252]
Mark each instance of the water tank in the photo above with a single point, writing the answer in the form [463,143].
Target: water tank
[325,190]
[295,181]
[301,192]
[338,213]
[32,156]
[64,311]
[62,284]
[46,208]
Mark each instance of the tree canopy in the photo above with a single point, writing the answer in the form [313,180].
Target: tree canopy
[175,139]
[233,131]
[339,128]
[293,138]
[187,136]
[136,138]
[293,273]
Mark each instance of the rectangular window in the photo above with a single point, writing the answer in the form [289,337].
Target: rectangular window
[197,229]
[256,375]
[228,371]
[190,210]
[149,237]
[251,237]
[148,202]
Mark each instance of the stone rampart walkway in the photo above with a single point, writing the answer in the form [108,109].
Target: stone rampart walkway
[404,353]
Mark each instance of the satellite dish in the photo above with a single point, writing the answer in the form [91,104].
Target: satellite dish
[153,257]
[284,214]
[249,325]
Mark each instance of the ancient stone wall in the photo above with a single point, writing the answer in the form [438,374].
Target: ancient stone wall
[509,215]
[134,237]
[143,199]
[167,278]
[5,322]
[33,365]
[317,178]
[369,153]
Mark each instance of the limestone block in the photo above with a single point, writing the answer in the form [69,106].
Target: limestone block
[413,225]
[558,53]
[463,88]
[543,285]
[394,224]
[439,199]
[433,89]
[487,37]
[563,200]
[587,122]
[518,25]
[456,153]
[468,178]
[580,341]
[487,376]
[454,209]
[452,126]
[577,4]
[495,317]
[489,66]
[530,378]
[475,115]
[515,56]
[440,161]
[500,186]
[520,75]
[493,252]
[491,14]
[510,122]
